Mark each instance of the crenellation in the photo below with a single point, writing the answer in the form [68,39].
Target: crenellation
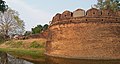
[79,13]
[66,15]
[92,15]
[56,18]
[93,12]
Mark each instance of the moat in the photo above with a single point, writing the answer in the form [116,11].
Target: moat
[9,59]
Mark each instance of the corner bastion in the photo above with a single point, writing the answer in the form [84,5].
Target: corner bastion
[94,34]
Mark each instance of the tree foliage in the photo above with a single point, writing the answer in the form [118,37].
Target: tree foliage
[3,6]
[27,33]
[45,27]
[10,23]
[39,29]
[113,5]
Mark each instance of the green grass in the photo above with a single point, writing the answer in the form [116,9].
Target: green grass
[25,50]
[36,44]
[21,44]
[35,54]
[12,44]
[18,44]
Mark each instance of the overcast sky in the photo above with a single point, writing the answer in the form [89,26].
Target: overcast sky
[35,12]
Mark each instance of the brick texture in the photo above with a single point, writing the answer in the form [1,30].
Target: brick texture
[92,36]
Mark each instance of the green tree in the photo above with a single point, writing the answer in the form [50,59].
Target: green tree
[3,6]
[10,23]
[37,29]
[113,5]
[45,27]
[100,4]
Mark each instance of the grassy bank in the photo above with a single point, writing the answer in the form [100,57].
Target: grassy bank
[31,49]
[28,54]
[26,44]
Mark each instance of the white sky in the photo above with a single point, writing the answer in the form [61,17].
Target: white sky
[35,12]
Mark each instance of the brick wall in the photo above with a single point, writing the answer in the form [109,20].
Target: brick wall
[85,37]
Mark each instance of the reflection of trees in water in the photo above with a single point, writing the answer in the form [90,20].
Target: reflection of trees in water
[3,58]
[8,59]
[52,60]
[13,60]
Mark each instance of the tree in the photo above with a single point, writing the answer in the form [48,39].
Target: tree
[100,4]
[113,5]
[3,6]
[10,23]
[45,27]
[37,29]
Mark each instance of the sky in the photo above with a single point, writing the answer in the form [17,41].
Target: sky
[36,12]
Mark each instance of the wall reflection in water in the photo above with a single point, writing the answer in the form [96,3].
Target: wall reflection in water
[8,59]
[53,60]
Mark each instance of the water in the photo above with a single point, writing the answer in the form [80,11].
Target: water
[8,59]
[53,60]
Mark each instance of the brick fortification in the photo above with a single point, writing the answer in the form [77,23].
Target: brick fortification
[94,34]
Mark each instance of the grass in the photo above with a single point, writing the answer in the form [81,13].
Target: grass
[33,43]
[36,44]
[22,53]
[31,49]
[18,44]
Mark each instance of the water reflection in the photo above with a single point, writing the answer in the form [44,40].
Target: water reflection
[8,59]
[3,58]
[53,60]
